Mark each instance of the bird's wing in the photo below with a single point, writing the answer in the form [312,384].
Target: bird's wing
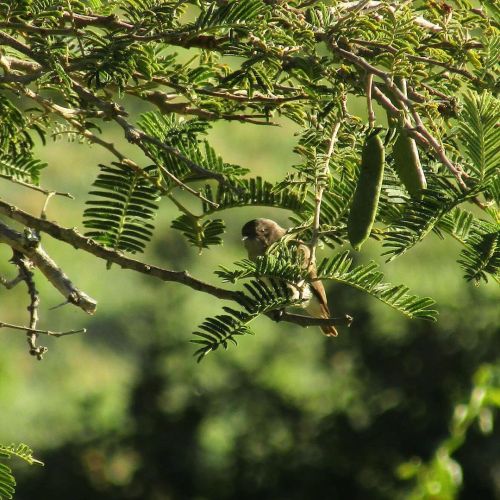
[317,308]
[317,287]
[318,290]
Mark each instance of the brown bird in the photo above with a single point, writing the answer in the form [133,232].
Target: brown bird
[258,235]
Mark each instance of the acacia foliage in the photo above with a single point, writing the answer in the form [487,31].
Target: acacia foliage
[429,66]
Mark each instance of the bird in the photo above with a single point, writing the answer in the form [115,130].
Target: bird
[258,235]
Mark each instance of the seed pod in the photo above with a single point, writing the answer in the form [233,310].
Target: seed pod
[365,200]
[407,164]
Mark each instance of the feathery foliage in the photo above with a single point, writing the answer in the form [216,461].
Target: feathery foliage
[481,257]
[125,202]
[260,298]
[480,135]
[199,233]
[7,480]
[21,168]
[368,279]
[252,192]
[339,268]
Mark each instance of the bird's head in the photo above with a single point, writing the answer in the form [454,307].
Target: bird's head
[259,234]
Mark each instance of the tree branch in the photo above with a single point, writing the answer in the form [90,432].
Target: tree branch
[11,178]
[6,39]
[423,59]
[438,149]
[71,114]
[25,272]
[306,321]
[138,137]
[238,95]
[321,180]
[160,100]
[369,101]
[47,266]
[50,333]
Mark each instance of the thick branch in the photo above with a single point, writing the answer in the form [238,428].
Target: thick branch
[48,267]
[76,240]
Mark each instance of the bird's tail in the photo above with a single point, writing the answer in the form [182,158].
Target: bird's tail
[330,331]
[320,310]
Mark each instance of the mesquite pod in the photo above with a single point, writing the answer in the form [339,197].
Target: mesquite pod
[367,193]
[407,164]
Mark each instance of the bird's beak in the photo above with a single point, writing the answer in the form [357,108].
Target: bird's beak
[244,238]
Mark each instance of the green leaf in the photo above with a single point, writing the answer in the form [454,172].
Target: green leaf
[22,168]
[22,451]
[7,482]
[230,14]
[122,207]
[419,218]
[260,298]
[480,135]
[370,280]
[481,257]
[200,233]
[252,192]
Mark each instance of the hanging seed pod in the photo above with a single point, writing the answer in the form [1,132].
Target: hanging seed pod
[407,164]
[365,200]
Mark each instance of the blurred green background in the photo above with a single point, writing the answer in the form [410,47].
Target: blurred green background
[125,412]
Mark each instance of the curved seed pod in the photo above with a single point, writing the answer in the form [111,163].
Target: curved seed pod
[407,164]
[365,200]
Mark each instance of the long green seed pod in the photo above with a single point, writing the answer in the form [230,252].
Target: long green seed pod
[365,200]
[407,164]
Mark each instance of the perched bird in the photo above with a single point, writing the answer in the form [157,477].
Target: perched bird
[258,235]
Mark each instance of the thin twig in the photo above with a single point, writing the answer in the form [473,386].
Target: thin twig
[386,103]
[320,188]
[11,178]
[139,138]
[438,149]
[70,114]
[423,59]
[306,321]
[50,333]
[6,39]
[29,28]
[160,99]
[369,101]
[239,95]
[11,283]
[25,271]
[46,205]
